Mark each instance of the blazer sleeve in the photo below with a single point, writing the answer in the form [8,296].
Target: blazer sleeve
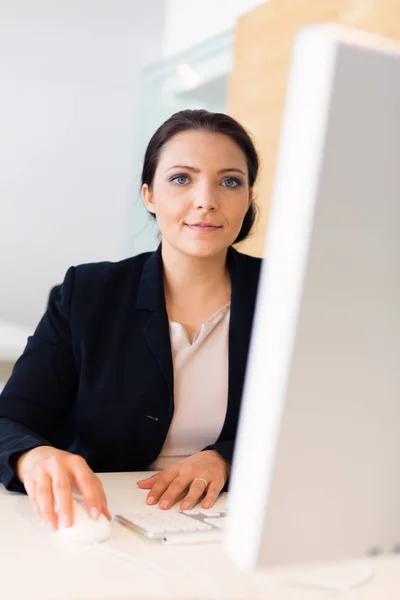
[225,450]
[42,387]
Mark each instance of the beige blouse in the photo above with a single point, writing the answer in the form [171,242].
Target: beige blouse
[200,388]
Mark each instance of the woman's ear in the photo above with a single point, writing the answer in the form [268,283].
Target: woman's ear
[251,197]
[148,198]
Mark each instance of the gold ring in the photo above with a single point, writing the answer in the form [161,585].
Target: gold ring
[203,480]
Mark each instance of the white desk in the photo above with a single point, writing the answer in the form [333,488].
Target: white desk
[38,565]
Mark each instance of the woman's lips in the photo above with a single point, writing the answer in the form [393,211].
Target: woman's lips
[203,228]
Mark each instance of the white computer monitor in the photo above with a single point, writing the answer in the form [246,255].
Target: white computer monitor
[316,471]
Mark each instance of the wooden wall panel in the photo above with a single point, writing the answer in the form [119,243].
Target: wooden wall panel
[5,372]
[263,43]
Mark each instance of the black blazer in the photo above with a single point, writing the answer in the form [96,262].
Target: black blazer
[96,378]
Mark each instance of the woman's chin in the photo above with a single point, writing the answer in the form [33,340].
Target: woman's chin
[203,249]
[200,246]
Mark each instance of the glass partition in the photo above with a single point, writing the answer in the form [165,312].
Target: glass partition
[196,78]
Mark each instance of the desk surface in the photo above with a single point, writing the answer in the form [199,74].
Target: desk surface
[38,565]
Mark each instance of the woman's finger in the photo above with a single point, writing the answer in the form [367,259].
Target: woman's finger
[103,498]
[106,511]
[30,487]
[161,484]
[45,500]
[196,491]
[86,482]
[148,483]
[212,494]
[62,492]
[174,492]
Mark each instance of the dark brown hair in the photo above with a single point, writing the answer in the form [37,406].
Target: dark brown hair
[186,120]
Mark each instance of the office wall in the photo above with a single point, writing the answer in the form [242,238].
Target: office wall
[190,22]
[263,41]
[68,79]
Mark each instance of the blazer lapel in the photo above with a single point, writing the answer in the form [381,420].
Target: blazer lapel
[150,297]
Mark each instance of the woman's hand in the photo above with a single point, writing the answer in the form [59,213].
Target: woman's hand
[50,477]
[186,475]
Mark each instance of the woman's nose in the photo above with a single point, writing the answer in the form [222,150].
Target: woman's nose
[205,198]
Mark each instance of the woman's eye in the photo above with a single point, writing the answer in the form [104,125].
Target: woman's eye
[180,179]
[232,182]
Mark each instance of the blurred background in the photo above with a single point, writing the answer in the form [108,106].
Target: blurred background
[85,83]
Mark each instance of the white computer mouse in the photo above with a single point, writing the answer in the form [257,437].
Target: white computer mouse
[85,529]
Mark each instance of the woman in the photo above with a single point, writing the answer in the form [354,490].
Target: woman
[139,364]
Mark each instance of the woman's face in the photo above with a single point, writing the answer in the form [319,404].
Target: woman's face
[200,192]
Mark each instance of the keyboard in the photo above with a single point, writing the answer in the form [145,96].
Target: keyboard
[192,526]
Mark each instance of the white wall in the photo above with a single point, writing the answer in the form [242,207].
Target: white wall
[68,80]
[190,22]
